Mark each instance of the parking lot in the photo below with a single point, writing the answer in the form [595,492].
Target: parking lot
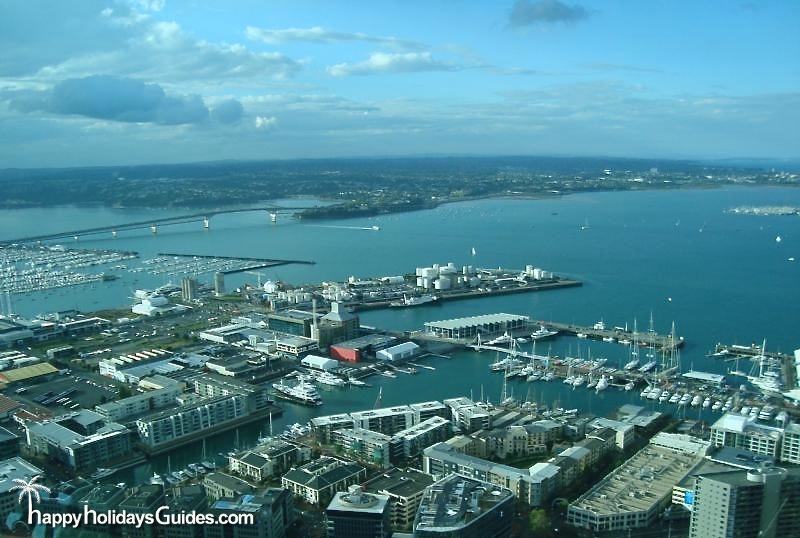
[71,392]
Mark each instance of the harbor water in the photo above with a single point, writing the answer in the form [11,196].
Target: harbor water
[676,254]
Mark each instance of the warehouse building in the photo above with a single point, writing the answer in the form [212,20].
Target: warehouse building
[400,352]
[358,349]
[315,362]
[470,327]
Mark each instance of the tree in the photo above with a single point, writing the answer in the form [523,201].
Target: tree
[539,522]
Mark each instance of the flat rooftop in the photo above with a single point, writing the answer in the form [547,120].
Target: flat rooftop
[399,483]
[358,502]
[704,376]
[640,483]
[473,321]
[455,501]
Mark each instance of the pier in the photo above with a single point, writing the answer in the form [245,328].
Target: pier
[473,293]
[153,224]
[731,352]
[258,263]
[654,340]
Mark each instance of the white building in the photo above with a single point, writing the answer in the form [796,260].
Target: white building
[316,362]
[742,432]
[402,351]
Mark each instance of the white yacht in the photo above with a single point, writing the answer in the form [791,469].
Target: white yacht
[602,384]
[302,393]
[543,332]
[327,378]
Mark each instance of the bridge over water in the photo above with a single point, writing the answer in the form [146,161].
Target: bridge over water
[152,224]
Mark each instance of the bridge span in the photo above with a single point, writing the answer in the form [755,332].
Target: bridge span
[152,224]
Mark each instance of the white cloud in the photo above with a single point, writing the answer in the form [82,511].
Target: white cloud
[266,122]
[317,34]
[381,62]
[51,42]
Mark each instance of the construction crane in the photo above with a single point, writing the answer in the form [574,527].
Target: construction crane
[257,274]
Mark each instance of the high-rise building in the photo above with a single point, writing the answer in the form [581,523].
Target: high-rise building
[755,503]
[461,507]
[219,284]
[188,289]
[356,514]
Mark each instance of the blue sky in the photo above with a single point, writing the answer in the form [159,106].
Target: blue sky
[138,81]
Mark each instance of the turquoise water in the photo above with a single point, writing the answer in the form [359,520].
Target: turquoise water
[727,277]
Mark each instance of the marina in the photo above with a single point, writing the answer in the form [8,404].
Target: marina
[25,269]
[196,264]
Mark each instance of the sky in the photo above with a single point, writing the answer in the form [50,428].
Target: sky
[107,82]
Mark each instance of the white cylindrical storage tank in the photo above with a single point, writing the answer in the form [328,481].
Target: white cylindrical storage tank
[465,270]
[419,271]
[474,282]
[451,265]
[443,284]
[537,273]
[420,281]
[430,272]
[426,282]
[529,269]
[436,266]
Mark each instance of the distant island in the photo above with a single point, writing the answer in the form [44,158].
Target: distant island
[362,187]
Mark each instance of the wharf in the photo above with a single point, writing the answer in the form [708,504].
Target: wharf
[753,351]
[456,295]
[649,339]
[258,263]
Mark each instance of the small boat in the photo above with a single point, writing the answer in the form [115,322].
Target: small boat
[208,465]
[602,384]
[356,382]
[609,339]
[654,394]
[645,392]
[707,403]
[582,335]
[578,381]
[675,398]
[665,396]
[549,376]
[697,400]
[717,406]
[745,410]
[569,380]
[685,399]
[629,386]
[157,479]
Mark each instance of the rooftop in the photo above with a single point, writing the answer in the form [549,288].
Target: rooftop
[228,482]
[455,501]
[323,472]
[639,483]
[739,424]
[16,468]
[399,482]
[363,342]
[357,501]
[28,372]
[472,321]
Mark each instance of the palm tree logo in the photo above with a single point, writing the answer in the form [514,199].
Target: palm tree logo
[30,489]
